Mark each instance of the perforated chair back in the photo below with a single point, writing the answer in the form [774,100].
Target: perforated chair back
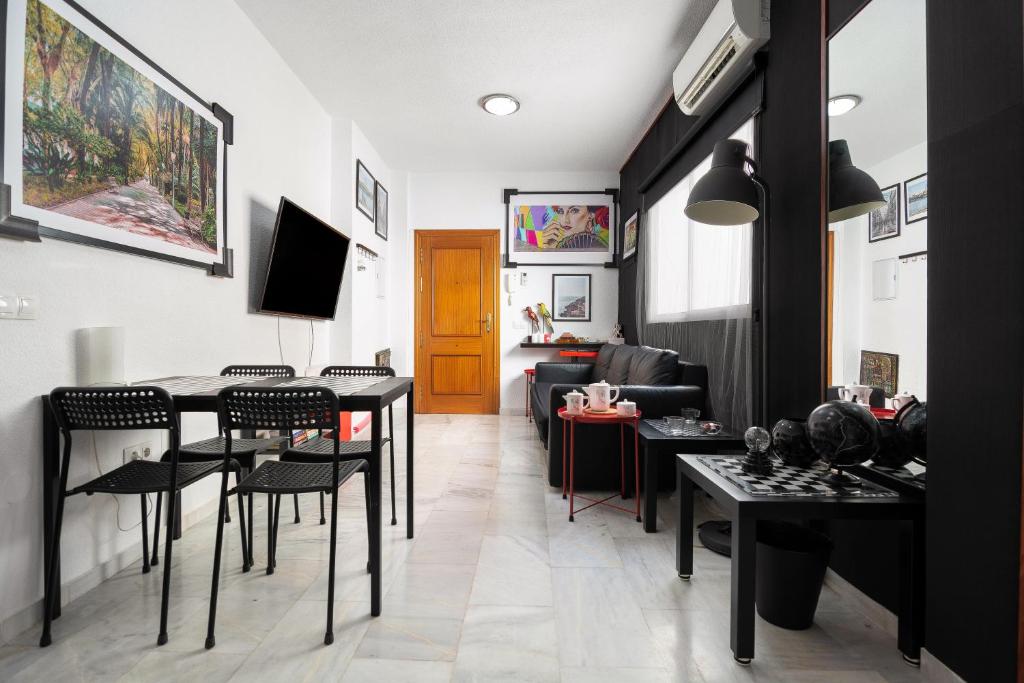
[277,408]
[357,371]
[107,408]
[258,371]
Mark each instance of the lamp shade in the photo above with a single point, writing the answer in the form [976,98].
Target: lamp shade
[851,191]
[725,195]
[100,356]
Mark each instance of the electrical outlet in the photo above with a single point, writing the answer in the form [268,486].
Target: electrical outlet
[139,451]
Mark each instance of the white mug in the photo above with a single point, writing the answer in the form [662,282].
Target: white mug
[626,408]
[575,402]
[900,400]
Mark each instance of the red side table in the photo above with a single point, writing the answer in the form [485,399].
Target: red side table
[587,417]
[530,379]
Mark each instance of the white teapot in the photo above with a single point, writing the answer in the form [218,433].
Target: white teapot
[601,396]
[858,393]
[901,399]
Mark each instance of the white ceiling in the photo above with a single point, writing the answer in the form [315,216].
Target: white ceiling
[880,55]
[590,74]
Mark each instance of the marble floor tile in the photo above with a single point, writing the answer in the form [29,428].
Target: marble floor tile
[294,649]
[396,671]
[502,643]
[412,638]
[496,585]
[513,570]
[198,665]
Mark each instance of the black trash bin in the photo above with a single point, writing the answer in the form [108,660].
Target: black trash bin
[791,563]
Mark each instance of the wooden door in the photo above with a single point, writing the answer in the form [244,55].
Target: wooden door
[457,335]
[830,266]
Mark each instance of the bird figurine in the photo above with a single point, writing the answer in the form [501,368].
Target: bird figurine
[545,314]
[534,320]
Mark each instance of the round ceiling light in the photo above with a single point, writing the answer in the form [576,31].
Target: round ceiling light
[499,105]
[842,104]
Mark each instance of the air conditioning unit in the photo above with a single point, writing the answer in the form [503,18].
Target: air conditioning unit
[720,53]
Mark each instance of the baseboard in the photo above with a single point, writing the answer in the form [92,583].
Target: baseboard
[934,671]
[868,607]
[75,588]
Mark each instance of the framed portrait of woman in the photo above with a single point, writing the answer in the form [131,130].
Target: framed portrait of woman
[560,228]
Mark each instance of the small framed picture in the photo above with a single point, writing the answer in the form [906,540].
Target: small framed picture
[915,198]
[365,190]
[884,222]
[381,223]
[570,297]
[630,233]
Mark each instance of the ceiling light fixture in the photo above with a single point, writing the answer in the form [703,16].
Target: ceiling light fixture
[842,104]
[499,104]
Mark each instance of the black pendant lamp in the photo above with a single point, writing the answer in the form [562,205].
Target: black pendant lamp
[851,191]
[726,194]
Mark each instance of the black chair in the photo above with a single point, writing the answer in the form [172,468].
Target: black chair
[284,408]
[245,451]
[353,448]
[126,408]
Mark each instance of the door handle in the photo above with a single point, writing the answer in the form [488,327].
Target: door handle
[487,322]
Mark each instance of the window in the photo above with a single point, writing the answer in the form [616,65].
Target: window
[696,271]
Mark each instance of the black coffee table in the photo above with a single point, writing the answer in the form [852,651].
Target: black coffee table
[656,445]
[745,509]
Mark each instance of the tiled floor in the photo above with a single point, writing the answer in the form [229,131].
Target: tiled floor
[497,585]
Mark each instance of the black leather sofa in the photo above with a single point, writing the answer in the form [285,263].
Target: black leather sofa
[655,379]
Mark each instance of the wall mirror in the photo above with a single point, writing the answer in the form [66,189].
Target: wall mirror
[878,202]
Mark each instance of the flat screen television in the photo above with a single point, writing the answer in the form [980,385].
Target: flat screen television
[307,262]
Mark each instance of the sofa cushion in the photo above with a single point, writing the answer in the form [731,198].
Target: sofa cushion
[653,367]
[603,361]
[618,369]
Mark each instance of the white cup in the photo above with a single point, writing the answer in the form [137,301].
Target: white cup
[575,402]
[626,408]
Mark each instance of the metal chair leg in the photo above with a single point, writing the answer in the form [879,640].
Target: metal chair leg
[329,635]
[145,536]
[210,638]
[165,593]
[270,533]
[246,563]
[277,524]
[369,518]
[391,433]
[322,520]
[295,501]
[156,530]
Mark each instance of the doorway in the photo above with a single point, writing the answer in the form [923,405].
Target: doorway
[456,321]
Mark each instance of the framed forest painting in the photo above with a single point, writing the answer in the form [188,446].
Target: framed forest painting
[103,147]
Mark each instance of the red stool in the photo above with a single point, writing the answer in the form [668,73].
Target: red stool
[530,379]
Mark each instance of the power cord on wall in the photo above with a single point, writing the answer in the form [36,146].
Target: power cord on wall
[117,512]
[280,350]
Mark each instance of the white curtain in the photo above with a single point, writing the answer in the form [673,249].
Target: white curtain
[695,293]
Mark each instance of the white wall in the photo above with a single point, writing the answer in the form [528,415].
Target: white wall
[453,201]
[895,325]
[365,323]
[178,320]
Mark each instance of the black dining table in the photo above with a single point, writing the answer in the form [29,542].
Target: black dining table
[198,394]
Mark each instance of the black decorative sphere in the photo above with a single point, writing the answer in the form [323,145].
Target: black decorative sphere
[913,425]
[892,447]
[843,433]
[790,442]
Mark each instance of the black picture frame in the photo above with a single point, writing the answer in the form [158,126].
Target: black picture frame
[877,215]
[31,230]
[907,220]
[380,223]
[509,193]
[369,210]
[554,300]
[635,218]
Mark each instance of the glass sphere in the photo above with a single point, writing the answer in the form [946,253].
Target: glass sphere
[757,439]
